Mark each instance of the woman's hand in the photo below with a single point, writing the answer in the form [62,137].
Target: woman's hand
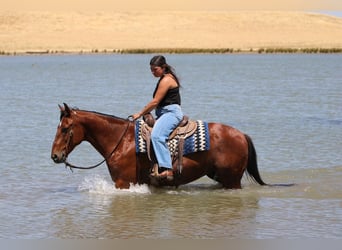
[135,116]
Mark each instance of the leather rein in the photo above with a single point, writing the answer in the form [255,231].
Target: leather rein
[71,166]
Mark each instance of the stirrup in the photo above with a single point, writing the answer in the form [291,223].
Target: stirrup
[154,170]
[166,174]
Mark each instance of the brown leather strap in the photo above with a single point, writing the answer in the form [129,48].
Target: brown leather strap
[180,154]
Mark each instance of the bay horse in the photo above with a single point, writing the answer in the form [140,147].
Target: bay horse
[230,155]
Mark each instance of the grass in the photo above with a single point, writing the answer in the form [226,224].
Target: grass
[185,51]
[302,50]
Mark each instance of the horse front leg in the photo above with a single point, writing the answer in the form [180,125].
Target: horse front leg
[122,184]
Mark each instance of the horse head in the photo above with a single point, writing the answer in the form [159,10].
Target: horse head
[69,134]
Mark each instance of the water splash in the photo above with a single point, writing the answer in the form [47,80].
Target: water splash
[99,185]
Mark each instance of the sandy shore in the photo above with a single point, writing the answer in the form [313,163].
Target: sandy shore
[88,31]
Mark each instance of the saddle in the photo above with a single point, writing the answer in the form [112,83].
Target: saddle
[185,129]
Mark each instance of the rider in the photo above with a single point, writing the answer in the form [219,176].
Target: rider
[166,102]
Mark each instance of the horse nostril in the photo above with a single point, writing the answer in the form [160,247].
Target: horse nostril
[54,157]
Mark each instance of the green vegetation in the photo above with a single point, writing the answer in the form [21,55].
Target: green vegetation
[176,51]
[303,50]
[184,51]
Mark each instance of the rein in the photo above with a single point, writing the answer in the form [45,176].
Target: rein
[71,166]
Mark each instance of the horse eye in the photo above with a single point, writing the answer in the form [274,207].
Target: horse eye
[64,130]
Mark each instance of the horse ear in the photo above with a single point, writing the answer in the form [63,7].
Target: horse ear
[66,110]
[62,109]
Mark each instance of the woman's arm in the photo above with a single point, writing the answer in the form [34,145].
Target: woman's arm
[165,84]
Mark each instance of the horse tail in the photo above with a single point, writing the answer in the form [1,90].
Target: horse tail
[252,165]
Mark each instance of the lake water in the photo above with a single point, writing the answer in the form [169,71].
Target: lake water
[291,106]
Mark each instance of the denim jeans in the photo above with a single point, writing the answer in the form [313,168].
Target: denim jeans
[168,118]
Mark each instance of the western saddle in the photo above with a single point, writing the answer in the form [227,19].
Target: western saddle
[185,129]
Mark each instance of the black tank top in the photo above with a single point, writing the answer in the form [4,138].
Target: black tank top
[172,97]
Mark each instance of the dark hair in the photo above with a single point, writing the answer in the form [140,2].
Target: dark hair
[160,61]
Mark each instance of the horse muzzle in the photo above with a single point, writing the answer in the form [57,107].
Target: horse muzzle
[58,158]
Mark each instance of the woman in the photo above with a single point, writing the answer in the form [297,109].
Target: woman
[166,101]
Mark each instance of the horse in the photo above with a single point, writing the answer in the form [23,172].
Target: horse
[231,153]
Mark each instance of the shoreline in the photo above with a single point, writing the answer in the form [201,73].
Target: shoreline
[179,51]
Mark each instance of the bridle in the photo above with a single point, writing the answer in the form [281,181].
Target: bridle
[71,166]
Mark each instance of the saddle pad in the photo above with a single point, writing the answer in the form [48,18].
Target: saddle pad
[199,141]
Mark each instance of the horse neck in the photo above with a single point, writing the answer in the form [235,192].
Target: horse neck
[102,131]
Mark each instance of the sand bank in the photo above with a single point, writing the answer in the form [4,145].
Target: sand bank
[27,31]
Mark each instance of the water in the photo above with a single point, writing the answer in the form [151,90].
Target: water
[291,105]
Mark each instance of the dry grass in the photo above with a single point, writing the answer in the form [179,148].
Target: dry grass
[171,32]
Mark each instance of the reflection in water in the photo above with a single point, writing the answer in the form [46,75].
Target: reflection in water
[203,210]
[167,213]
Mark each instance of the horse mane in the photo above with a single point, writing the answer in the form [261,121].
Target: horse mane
[94,112]
[101,114]
[106,115]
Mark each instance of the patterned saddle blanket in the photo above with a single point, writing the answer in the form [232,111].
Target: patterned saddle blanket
[198,141]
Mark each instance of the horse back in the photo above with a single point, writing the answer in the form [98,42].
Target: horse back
[227,140]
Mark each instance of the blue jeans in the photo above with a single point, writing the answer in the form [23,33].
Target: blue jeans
[168,118]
